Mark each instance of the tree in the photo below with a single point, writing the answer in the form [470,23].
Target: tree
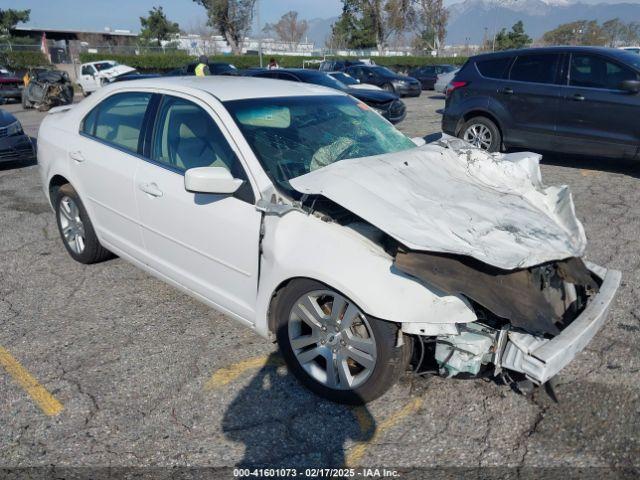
[353,29]
[288,29]
[613,30]
[581,32]
[516,38]
[368,23]
[388,17]
[630,34]
[10,18]
[232,18]
[429,21]
[156,27]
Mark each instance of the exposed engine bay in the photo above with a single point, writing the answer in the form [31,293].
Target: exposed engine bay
[517,310]
[481,227]
[47,89]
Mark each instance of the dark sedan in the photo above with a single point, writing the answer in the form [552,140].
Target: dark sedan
[386,79]
[10,86]
[385,103]
[576,100]
[14,143]
[428,74]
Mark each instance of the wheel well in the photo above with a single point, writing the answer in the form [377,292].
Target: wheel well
[56,182]
[274,297]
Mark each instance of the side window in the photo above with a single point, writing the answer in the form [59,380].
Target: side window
[535,68]
[494,68]
[596,72]
[87,70]
[89,122]
[185,136]
[118,119]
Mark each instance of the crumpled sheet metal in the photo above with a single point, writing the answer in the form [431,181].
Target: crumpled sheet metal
[451,198]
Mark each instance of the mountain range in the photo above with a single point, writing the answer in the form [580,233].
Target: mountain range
[469,19]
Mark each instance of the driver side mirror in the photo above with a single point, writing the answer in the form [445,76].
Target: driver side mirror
[211,180]
[630,86]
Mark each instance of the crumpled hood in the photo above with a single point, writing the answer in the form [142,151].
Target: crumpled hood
[461,200]
[115,71]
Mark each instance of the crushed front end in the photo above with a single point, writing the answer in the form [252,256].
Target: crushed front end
[532,320]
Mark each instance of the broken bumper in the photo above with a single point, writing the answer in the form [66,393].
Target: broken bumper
[539,358]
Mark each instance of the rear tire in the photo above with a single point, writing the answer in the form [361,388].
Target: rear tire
[481,132]
[345,328]
[76,230]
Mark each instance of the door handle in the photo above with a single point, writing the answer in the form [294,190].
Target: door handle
[507,91]
[76,156]
[578,98]
[150,189]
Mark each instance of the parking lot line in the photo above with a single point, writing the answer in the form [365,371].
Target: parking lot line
[226,375]
[47,402]
[358,451]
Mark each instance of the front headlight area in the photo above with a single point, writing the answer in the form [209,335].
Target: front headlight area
[14,128]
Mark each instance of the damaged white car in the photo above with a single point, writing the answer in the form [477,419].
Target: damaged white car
[306,216]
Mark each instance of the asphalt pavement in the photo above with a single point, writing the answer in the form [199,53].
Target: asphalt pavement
[103,366]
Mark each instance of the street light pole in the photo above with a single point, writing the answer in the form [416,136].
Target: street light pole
[259,31]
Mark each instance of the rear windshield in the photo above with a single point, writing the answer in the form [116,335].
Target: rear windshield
[493,67]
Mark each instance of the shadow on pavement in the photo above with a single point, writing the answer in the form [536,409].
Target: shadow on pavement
[621,166]
[283,425]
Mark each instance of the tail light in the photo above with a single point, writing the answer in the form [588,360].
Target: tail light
[454,85]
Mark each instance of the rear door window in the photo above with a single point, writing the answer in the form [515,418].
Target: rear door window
[593,71]
[539,68]
[118,119]
[494,67]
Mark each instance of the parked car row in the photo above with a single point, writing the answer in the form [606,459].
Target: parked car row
[387,103]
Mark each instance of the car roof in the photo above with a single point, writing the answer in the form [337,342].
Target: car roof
[558,49]
[231,88]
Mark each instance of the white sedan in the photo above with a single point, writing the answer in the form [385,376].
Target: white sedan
[301,213]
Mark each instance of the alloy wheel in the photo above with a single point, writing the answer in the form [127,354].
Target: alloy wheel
[479,136]
[71,224]
[332,340]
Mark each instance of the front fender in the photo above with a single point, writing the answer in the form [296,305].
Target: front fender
[298,245]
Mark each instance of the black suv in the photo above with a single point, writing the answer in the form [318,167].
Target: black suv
[576,100]
[386,79]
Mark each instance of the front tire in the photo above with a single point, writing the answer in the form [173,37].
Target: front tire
[76,230]
[333,348]
[482,133]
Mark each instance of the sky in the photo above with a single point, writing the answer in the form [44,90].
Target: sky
[125,14]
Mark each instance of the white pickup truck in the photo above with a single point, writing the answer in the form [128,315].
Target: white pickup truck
[94,75]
